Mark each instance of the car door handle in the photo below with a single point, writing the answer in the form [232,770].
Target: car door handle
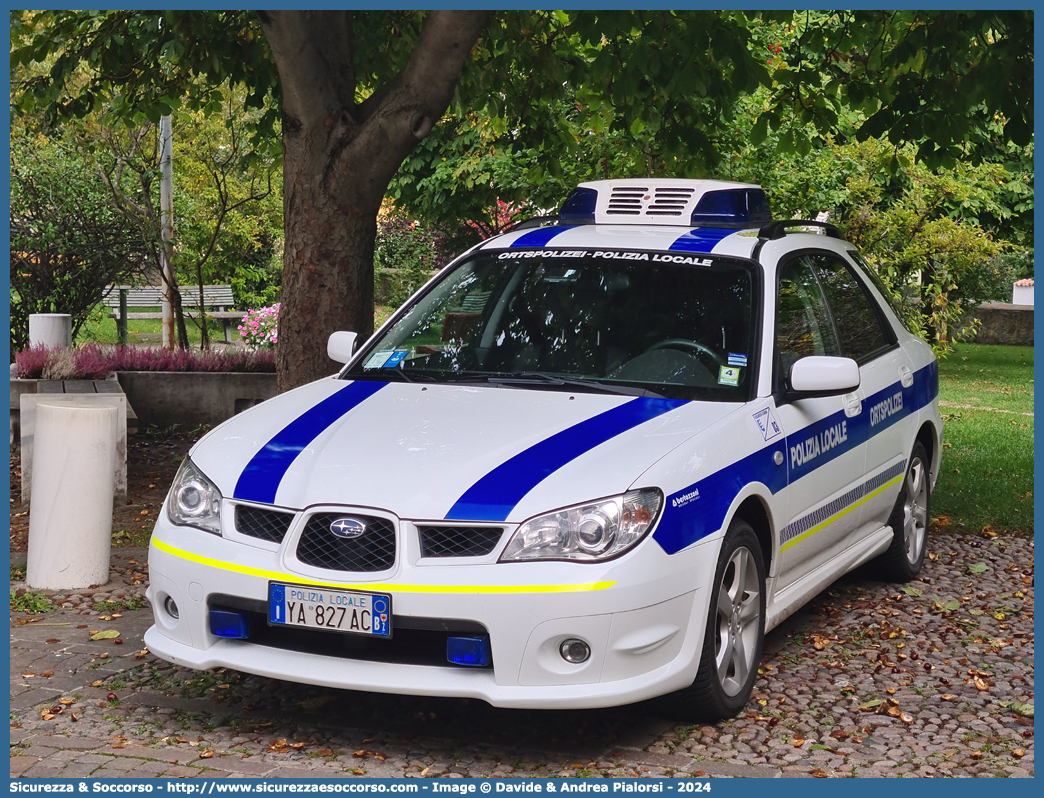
[853,405]
[905,376]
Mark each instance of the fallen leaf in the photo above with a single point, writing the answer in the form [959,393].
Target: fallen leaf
[980,685]
[28,675]
[818,774]
[47,716]
[913,591]
[66,701]
[315,703]
[103,655]
[1018,753]
[797,742]
[47,674]
[108,634]
[359,772]
[978,568]
[97,683]
[206,754]
[906,717]
[53,640]
[325,752]
[947,697]
[1019,708]
[298,745]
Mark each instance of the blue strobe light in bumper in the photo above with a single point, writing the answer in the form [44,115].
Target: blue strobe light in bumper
[472,651]
[233,624]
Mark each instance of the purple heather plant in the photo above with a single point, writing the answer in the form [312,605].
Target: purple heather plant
[92,362]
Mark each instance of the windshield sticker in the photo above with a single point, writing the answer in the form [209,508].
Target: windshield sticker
[397,357]
[655,257]
[767,424]
[728,375]
[736,359]
[378,359]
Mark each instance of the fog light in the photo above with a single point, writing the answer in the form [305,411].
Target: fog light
[229,623]
[171,607]
[575,651]
[473,651]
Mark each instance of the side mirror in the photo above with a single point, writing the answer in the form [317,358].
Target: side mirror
[822,376]
[341,346]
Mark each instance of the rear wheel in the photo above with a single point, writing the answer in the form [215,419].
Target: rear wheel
[735,630]
[909,521]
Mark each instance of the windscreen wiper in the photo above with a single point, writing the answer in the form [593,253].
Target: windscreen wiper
[529,378]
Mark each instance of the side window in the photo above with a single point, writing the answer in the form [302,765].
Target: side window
[803,325]
[858,322]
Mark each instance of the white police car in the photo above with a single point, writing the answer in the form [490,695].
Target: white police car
[588,464]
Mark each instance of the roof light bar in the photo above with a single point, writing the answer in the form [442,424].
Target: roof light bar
[663,201]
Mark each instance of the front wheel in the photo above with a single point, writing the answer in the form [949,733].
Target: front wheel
[735,630]
[909,521]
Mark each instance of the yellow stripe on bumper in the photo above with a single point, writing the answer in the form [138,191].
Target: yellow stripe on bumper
[390,587]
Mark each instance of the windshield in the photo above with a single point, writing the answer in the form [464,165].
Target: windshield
[645,323]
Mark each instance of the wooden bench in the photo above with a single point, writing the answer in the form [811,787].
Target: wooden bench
[122,297]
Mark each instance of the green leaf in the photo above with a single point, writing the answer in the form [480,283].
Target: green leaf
[912,591]
[950,606]
[978,568]
[1019,708]
[108,634]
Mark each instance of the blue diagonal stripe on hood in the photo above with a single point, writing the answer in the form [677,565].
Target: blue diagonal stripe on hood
[494,496]
[262,475]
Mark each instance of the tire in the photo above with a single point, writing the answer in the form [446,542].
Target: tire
[727,672]
[909,521]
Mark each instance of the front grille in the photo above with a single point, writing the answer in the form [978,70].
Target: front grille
[374,550]
[270,525]
[457,541]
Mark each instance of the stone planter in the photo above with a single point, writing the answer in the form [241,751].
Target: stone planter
[190,398]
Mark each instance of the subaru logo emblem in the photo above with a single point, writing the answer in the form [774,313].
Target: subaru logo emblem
[348,527]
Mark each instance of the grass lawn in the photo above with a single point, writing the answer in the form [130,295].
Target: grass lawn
[987,467]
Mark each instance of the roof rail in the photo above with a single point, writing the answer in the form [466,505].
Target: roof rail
[773,231]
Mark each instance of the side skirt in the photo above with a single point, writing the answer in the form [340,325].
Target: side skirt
[786,601]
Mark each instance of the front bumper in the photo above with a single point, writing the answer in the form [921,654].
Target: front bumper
[643,616]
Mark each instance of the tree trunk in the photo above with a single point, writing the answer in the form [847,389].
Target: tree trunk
[338,158]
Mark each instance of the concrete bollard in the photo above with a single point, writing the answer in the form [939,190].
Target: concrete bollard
[70,526]
[50,329]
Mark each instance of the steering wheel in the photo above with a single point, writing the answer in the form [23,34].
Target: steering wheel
[685,343]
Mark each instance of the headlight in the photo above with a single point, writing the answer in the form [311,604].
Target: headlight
[587,532]
[194,500]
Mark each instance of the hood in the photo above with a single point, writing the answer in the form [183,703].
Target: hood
[476,453]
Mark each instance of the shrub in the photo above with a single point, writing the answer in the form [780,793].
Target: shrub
[92,362]
[31,361]
[260,327]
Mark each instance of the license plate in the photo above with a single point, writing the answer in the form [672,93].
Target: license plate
[329,609]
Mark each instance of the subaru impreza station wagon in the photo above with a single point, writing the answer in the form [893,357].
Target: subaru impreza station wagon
[589,463]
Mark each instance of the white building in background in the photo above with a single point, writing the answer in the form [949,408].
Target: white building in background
[1022,292]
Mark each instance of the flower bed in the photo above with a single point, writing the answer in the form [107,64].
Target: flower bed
[94,362]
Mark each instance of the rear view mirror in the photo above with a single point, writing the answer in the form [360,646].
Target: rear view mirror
[341,346]
[822,376]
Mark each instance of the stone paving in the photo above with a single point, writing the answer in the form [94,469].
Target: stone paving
[930,679]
